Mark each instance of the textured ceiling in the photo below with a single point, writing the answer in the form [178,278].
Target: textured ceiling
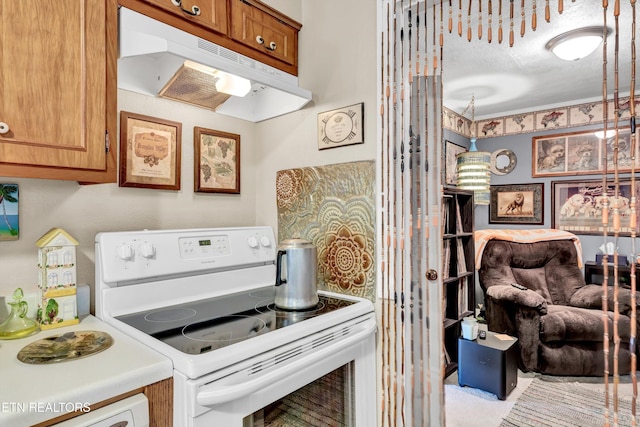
[527,77]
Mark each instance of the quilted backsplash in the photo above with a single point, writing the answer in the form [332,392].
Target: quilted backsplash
[333,206]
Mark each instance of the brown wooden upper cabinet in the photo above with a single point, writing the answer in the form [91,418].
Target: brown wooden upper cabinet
[211,14]
[265,30]
[248,27]
[58,90]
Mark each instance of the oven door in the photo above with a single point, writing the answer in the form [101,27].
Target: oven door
[328,378]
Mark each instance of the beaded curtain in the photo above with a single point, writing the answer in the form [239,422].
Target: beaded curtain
[412,43]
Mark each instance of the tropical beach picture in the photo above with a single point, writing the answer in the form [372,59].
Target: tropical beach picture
[9,210]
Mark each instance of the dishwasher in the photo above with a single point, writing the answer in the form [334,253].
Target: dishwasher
[130,412]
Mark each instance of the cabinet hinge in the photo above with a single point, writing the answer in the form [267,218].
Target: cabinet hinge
[107,144]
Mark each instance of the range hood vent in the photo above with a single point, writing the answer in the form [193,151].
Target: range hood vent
[152,62]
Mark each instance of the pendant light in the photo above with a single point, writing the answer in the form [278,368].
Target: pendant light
[473,167]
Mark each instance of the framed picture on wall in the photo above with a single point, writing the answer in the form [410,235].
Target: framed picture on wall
[340,127]
[216,161]
[580,153]
[149,152]
[10,226]
[577,206]
[516,204]
[451,151]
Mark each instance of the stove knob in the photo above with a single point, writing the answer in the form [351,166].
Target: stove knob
[147,250]
[125,252]
[264,241]
[253,242]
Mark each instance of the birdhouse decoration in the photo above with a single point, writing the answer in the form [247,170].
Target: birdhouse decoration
[57,279]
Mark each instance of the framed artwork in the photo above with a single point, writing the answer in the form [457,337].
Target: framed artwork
[340,127]
[9,225]
[451,151]
[516,204]
[217,161]
[149,152]
[580,153]
[577,206]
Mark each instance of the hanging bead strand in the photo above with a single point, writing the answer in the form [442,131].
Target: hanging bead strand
[605,221]
[479,19]
[523,23]
[460,18]
[511,23]
[500,22]
[489,22]
[634,221]
[469,21]
[547,12]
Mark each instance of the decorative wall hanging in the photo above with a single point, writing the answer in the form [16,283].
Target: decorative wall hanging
[451,152]
[149,152]
[578,206]
[340,127]
[503,161]
[9,226]
[517,204]
[580,153]
[216,161]
[333,206]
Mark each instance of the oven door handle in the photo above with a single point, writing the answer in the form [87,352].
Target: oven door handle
[212,395]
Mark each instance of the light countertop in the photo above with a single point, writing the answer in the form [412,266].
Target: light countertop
[31,394]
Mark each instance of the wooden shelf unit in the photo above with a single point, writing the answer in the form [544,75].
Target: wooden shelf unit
[457,268]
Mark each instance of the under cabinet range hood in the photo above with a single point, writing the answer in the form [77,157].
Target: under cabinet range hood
[159,60]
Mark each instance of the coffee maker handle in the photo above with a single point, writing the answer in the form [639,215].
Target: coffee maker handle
[279,256]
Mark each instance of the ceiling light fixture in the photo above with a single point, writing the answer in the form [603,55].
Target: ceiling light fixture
[576,44]
[473,168]
[601,135]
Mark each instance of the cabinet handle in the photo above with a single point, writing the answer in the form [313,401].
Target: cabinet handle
[271,47]
[195,10]
[259,39]
[4,128]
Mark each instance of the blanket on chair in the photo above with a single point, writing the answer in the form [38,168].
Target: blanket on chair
[481,238]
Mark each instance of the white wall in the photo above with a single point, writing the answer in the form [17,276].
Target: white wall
[84,211]
[338,64]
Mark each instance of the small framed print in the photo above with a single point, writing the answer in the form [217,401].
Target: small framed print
[451,152]
[9,227]
[216,161]
[340,127]
[149,152]
[516,204]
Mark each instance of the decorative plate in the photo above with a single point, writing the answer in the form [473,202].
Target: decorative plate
[503,161]
[67,346]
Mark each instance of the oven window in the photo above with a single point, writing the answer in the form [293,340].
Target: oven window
[328,401]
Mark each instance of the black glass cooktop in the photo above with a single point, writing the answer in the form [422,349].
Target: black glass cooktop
[205,325]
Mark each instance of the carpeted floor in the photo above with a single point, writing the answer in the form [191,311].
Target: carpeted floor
[470,407]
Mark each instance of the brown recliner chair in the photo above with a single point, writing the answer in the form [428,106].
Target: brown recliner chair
[558,319]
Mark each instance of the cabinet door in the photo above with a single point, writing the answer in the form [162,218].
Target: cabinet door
[211,13]
[263,32]
[53,88]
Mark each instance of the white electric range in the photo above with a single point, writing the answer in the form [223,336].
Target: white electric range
[205,299]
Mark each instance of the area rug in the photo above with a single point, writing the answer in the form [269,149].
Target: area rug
[559,404]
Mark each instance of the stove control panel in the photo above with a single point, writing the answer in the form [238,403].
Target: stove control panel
[204,247]
[137,255]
